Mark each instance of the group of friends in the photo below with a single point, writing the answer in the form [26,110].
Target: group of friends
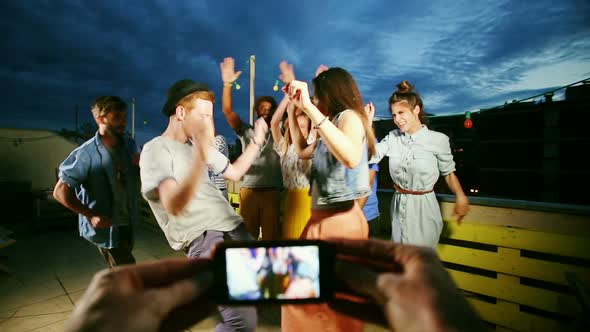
[324,153]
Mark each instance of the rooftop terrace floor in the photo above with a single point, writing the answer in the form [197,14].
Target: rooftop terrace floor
[50,268]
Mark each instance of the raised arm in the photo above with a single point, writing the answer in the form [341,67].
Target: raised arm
[287,75]
[345,140]
[303,148]
[175,196]
[381,148]
[236,170]
[275,122]
[228,76]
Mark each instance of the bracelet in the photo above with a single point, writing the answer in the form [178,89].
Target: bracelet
[228,83]
[320,123]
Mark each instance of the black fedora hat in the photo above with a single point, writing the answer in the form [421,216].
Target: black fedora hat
[179,90]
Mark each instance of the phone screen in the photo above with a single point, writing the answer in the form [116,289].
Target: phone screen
[273,273]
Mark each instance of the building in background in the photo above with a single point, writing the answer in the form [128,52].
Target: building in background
[520,150]
[28,170]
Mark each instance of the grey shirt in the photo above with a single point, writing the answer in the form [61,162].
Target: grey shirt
[163,158]
[266,170]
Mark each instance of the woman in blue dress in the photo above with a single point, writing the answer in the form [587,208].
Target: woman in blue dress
[417,157]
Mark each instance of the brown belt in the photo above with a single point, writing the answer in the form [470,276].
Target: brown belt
[410,192]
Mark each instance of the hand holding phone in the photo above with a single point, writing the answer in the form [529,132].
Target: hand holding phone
[291,271]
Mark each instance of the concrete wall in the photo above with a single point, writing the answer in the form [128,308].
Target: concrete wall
[33,161]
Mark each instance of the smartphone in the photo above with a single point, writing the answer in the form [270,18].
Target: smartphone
[289,271]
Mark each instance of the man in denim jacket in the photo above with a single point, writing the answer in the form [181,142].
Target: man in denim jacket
[99,181]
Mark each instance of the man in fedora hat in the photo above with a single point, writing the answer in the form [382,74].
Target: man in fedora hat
[191,211]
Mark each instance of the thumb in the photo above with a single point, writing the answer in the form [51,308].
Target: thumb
[359,279]
[163,300]
[238,73]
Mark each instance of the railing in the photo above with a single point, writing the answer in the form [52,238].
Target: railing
[516,261]
[512,257]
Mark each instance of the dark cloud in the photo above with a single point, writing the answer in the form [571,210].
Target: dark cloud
[57,55]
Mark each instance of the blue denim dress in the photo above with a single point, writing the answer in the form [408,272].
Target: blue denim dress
[332,181]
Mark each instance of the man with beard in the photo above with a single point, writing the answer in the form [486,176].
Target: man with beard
[99,181]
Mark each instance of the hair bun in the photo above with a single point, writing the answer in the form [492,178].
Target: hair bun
[404,87]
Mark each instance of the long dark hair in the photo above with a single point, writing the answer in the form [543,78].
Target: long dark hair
[337,91]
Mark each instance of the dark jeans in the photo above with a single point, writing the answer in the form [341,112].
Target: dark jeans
[232,318]
[374,227]
[122,254]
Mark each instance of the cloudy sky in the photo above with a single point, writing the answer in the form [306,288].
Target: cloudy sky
[461,55]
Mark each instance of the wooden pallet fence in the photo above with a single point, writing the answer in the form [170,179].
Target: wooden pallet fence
[514,270]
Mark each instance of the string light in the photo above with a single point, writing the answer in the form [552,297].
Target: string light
[276,86]
[468,123]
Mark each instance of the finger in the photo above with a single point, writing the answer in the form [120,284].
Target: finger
[368,249]
[182,318]
[369,312]
[460,219]
[360,279]
[163,300]
[238,74]
[166,271]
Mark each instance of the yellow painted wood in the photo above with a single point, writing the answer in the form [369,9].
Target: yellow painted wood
[517,266]
[565,245]
[550,222]
[504,314]
[233,199]
[514,292]
[504,329]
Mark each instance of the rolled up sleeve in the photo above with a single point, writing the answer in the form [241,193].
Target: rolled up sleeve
[446,164]
[74,170]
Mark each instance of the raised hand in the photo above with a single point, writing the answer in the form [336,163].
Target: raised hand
[370,109]
[228,73]
[287,72]
[203,130]
[290,108]
[260,130]
[322,68]
[298,93]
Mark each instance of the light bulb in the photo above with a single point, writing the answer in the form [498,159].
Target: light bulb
[468,123]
